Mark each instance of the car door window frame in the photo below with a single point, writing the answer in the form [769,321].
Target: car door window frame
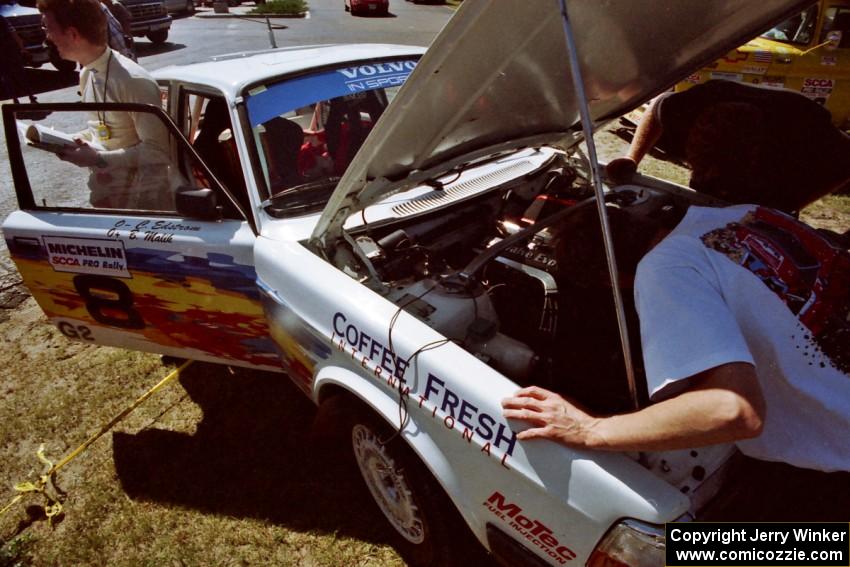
[23,187]
[185,121]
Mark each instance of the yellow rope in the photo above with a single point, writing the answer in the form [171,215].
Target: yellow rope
[14,501]
[54,506]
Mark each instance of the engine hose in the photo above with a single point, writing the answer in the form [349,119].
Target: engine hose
[467,274]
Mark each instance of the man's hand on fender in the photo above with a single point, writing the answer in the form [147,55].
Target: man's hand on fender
[553,418]
[719,405]
[83,155]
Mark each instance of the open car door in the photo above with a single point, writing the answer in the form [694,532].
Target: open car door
[138,253]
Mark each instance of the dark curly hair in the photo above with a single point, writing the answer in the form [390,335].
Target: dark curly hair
[725,149]
[580,253]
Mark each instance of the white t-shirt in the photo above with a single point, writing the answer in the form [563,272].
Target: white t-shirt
[713,293]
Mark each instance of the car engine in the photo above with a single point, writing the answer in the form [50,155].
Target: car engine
[485,273]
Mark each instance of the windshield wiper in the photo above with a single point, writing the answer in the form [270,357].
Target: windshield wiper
[303,188]
[301,198]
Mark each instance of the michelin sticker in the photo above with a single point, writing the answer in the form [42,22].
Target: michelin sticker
[87,256]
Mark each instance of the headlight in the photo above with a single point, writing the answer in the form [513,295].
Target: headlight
[630,544]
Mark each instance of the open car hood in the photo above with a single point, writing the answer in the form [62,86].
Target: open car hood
[498,76]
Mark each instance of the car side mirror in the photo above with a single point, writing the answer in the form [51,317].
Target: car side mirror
[198,203]
[833,39]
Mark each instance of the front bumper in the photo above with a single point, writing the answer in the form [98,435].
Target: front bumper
[141,29]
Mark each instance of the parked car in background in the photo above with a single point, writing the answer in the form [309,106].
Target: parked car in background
[27,23]
[230,3]
[808,53]
[180,6]
[150,18]
[363,7]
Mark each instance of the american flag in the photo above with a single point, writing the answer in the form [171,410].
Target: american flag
[762,56]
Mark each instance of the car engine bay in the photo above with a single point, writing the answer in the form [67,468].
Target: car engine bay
[485,273]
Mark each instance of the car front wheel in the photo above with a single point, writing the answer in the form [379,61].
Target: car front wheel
[428,529]
[389,482]
[158,37]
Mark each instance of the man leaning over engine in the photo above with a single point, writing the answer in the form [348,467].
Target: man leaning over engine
[739,345]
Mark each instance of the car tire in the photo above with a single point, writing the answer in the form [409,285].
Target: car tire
[158,37]
[64,66]
[427,529]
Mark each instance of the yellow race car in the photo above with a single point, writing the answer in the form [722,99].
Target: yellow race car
[808,53]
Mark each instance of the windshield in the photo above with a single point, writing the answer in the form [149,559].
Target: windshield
[307,129]
[797,29]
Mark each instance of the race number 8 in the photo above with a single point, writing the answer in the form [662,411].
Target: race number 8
[109,301]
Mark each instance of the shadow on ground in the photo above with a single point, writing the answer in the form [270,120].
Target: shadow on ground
[251,456]
[367,14]
[146,48]
[46,79]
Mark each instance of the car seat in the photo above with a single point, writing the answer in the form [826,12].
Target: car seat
[346,128]
[282,142]
[214,143]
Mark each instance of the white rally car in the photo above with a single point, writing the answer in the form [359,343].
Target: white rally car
[408,291]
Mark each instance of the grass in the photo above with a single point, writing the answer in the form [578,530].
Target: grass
[831,212]
[15,552]
[288,7]
[217,469]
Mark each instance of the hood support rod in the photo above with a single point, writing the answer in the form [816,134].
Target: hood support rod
[587,126]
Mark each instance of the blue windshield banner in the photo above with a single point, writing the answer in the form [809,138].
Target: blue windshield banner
[268,102]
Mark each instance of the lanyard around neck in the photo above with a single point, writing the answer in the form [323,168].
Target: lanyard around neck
[101,116]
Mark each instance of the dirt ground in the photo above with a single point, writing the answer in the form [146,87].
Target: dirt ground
[215,470]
